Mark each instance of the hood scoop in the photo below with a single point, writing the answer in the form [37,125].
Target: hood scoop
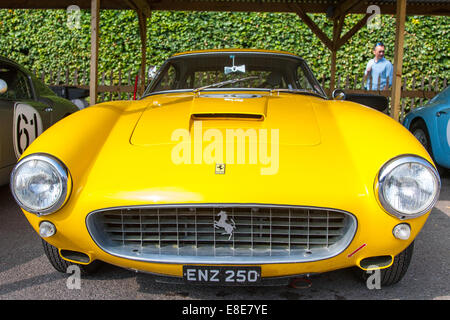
[169,120]
[211,116]
[229,106]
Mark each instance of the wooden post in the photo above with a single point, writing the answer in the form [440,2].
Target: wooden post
[337,29]
[333,70]
[93,86]
[103,84]
[398,59]
[143,33]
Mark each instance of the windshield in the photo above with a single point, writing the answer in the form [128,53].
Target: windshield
[237,71]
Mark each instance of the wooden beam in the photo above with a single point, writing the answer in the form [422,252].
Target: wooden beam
[143,6]
[414,8]
[344,7]
[130,4]
[338,25]
[143,34]
[93,81]
[333,70]
[358,26]
[398,59]
[313,26]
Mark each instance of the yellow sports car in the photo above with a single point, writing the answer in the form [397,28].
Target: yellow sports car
[233,168]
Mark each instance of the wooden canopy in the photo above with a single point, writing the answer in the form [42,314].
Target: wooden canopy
[335,10]
[415,7]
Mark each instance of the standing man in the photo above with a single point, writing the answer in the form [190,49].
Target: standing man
[378,69]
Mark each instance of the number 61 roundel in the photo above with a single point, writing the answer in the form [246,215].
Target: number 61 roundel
[27,127]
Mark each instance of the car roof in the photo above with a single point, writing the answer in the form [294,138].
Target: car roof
[7,60]
[3,58]
[235,50]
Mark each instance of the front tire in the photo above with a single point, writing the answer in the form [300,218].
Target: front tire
[61,265]
[420,131]
[396,272]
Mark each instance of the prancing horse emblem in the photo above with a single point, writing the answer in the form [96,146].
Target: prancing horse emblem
[222,223]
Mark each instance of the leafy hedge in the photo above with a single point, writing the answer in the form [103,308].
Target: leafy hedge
[41,39]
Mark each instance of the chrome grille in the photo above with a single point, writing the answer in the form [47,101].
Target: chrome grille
[203,233]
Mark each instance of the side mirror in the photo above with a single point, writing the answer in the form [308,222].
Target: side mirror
[152,72]
[3,86]
[338,94]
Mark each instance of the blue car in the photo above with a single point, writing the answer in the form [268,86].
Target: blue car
[430,124]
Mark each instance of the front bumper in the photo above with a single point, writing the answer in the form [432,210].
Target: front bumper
[372,237]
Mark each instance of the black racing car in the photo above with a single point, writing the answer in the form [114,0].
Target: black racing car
[27,108]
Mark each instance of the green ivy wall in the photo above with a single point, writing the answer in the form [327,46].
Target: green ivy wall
[42,40]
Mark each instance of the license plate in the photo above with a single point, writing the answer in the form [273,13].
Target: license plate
[222,275]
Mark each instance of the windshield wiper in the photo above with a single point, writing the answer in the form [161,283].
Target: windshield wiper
[223,83]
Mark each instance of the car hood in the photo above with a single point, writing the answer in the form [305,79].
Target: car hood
[325,153]
[168,116]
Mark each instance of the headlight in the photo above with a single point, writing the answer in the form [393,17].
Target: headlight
[408,186]
[40,183]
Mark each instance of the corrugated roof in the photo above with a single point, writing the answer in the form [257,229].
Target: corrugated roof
[414,7]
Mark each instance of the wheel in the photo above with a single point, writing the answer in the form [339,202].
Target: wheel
[397,270]
[420,131]
[393,274]
[61,265]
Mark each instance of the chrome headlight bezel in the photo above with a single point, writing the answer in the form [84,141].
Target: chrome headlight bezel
[62,172]
[387,168]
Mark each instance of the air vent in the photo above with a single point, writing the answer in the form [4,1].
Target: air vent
[75,256]
[205,116]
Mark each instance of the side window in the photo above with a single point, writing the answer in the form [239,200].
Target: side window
[23,90]
[18,84]
[168,82]
[302,80]
[40,88]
